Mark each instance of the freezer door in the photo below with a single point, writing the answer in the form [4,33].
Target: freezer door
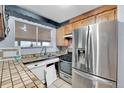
[84,80]
[102,50]
[79,59]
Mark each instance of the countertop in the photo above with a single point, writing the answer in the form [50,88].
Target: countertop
[33,59]
[15,74]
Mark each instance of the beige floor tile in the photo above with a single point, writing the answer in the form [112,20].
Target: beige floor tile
[58,82]
[66,85]
[52,86]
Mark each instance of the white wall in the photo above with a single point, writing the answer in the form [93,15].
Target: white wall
[10,39]
[120,16]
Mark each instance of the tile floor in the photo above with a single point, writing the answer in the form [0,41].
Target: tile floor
[59,83]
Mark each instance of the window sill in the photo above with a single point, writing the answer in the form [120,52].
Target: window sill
[34,47]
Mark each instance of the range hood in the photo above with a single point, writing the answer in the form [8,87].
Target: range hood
[68,35]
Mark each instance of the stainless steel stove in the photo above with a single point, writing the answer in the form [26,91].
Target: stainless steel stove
[66,67]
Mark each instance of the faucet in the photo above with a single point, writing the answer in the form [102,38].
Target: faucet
[45,50]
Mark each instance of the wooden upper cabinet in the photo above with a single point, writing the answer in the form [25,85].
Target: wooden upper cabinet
[1,25]
[115,15]
[88,21]
[60,36]
[1,28]
[68,28]
[84,22]
[102,14]
[106,16]
[76,25]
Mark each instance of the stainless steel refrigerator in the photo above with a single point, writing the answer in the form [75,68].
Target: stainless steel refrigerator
[94,61]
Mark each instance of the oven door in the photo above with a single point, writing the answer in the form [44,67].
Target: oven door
[66,67]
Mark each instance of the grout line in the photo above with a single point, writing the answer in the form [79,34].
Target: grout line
[29,75]
[10,74]
[1,74]
[19,74]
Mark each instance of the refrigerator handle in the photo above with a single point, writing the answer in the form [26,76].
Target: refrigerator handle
[86,48]
[89,51]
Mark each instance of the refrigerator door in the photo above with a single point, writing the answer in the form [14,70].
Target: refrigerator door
[79,59]
[79,36]
[102,50]
[84,80]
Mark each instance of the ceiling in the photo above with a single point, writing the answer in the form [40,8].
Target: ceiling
[59,13]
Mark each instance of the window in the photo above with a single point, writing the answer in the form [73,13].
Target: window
[39,44]
[34,44]
[16,43]
[45,43]
[27,35]
[25,43]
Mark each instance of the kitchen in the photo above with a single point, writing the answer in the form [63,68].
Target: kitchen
[76,50]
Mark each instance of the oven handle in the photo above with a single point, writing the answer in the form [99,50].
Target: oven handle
[65,61]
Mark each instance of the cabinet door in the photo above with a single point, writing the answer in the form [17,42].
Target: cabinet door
[84,22]
[1,28]
[68,29]
[88,21]
[60,36]
[115,14]
[76,25]
[106,16]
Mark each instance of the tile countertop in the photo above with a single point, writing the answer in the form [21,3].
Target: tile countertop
[31,58]
[15,74]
